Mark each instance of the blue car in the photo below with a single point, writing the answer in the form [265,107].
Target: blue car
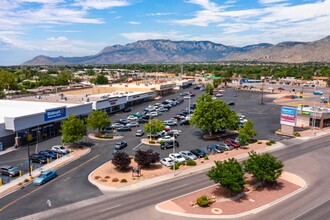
[44,177]
[318,93]
[48,153]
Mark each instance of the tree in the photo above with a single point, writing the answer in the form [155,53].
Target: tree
[121,160]
[73,129]
[98,119]
[216,82]
[209,89]
[154,126]
[229,174]
[246,132]
[264,167]
[145,158]
[211,115]
[101,80]
[7,80]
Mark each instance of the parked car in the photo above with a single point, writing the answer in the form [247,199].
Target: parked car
[170,122]
[108,129]
[132,117]
[318,93]
[281,89]
[48,153]
[44,177]
[128,109]
[167,161]
[197,88]
[139,133]
[162,109]
[120,145]
[165,138]
[9,170]
[133,124]
[198,153]
[184,122]
[231,142]
[36,158]
[156,135]
[177,157]
[225,147]
[124,128]
[188,155]
[142,121]
[169,144]
[215,148]
[117,125]
[60,149]
[219,94]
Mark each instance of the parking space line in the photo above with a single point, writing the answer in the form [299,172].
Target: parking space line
[41,187]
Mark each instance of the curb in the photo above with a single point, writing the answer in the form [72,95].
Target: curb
[105,139]
[253,211]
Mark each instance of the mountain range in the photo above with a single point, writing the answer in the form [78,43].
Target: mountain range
[167,51]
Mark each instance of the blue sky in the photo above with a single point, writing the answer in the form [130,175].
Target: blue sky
[84,27]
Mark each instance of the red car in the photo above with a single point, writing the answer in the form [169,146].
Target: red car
[231,142]
[192,94]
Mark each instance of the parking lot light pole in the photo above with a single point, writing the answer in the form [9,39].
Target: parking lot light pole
[173,154]
[30,175]
[189,105]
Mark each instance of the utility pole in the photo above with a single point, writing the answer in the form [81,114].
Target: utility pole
[173,154]
[30,175]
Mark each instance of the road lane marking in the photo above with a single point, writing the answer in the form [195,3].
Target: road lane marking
[42,186]
[178,187]
[113,207]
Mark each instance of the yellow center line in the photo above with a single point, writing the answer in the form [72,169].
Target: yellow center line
[39,188]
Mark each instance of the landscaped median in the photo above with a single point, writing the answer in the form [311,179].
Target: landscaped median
[254,199]
[105,137]
[108,177]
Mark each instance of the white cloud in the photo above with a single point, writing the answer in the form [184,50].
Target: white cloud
[61,39]
[160,14]
[41,1]
[102,4]
[265,2]
[134,22]
[117,17]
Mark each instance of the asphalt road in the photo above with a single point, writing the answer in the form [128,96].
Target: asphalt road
[309,160]
[72,185]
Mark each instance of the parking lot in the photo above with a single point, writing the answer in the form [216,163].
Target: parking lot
[265,117]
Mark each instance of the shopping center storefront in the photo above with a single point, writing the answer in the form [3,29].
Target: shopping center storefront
[25,122]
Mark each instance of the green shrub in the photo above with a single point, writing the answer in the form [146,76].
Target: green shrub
[162,142]
[251,141]
[19,184]
[176,167]
[115,180]
[26,180]
[181,163]
[203,201]
[268,143]
[191,163]
[296,134]
[123,180]
[272,141]
[152,142]
[206,158]
[259,142]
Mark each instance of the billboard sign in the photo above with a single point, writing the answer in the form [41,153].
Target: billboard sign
[55,114]
[288,116]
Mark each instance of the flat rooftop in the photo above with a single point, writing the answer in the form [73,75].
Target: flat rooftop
[17,108]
